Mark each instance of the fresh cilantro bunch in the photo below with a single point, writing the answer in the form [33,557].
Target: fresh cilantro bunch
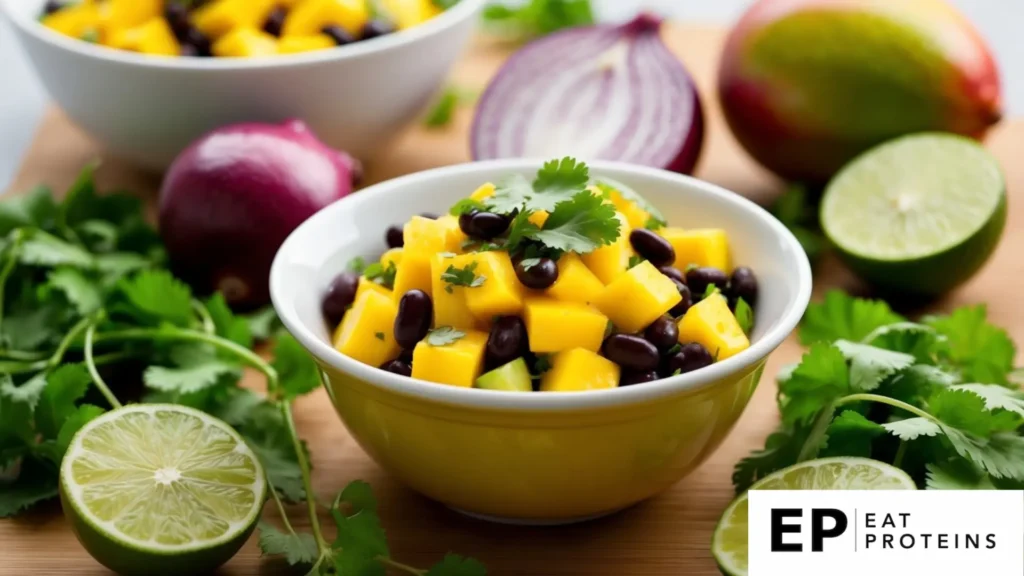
[86,307]
[578,220]
[931,397]
[797,209]
[536,18]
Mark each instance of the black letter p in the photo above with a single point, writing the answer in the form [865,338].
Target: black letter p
[818,532]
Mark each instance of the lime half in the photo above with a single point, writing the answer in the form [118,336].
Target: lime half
[161,489]
[729,544]
[919,214]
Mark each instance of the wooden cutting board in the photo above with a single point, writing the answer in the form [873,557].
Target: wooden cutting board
[667,536]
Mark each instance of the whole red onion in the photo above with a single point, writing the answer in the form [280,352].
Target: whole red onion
[230,200]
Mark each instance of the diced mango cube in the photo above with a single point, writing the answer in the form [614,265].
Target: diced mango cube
[413,273]
[577,370]
[222,16]
[123,14]
[450,307]
[392,256]
[501,294]
[483,193]
[426,236]
[711,324]
[458,364]
[366,333]
[78,21]
[153,37]
[309,17]
[367,284]
[575,283]
[555,325]
[636,215]
[245,42]
[638,297]
[609,262]
[538,218]
[297,44]
[409,13]
[705,247]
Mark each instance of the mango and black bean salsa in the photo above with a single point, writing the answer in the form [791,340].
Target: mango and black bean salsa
[565,283]
[234,28]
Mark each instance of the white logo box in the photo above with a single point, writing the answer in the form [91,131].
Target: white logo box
[925,532]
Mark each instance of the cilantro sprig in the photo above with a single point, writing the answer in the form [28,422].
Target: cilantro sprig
[467,277]
[932,397]
[85,300]
[536,18]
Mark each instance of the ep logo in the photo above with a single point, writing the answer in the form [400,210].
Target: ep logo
[787,528]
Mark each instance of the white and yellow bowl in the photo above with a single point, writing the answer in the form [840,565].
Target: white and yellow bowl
[537,457]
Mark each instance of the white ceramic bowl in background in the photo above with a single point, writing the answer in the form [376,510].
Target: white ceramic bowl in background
[543,457]
[148,108]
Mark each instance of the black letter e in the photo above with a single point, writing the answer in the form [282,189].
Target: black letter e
[779,528]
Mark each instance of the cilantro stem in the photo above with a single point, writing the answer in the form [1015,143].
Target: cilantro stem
[280,506]
[12,259]
[399,566]
[26,367]
[208,325]
[813,442]
[150,334]
[300,454]
[22,355]
[90,364]
[897,461]
[885,400]
[65,343]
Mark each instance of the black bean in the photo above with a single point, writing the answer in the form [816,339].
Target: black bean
[506,342]
[631,352]
[663,333]
[654,248]
[275,21]
[673,273]
[197,39]
[743,284]
[684,304]
[52,6]
[338,34]
[394,237]
[188,51]
[405,356]
[375,28]
[690,357]
[698,279]
[630,377]
[483,225]
[339,296]
[539,275]
[177,18]
[415,314]
[397,367]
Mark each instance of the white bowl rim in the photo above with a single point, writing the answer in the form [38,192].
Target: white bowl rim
[440,23]
[541,402]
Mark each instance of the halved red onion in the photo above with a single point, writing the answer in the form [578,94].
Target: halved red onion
[611,92]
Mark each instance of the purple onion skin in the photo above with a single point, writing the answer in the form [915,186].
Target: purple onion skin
[686,151]
[228,202]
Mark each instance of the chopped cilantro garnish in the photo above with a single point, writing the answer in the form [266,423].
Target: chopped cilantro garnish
[744,315]
[464,206]
[380,274]
[709,291]
[528,263]
[635,259]
[462,277]
[357,265]
[379,336]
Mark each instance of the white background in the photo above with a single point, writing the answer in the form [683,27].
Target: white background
[22,100]
[931,511]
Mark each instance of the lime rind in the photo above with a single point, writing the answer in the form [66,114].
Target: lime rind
[197,463]
[913,197]
[729,542]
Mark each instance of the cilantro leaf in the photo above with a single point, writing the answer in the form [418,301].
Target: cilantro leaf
[851,434]
[996,397]
[27,328]
[41,249]
[296,370]
[36,483]
[983,352]
[383,275]
[64,386]
[359,496]
[444,335]
[228,325]
[357,265]
[580,225]
[443,110]
[156,295]
[709,290]
[262,323]
[917,383]
[465,206]
[821,377]
[843,317]
[80,417]
[360,533]
[520,229]
[559,181]
[781,449]
[536,18]
[357,562]
[462,277]
[297,548]
[267,435]
[18,405]
[918,340]
[1002,455]
[957,476]
[34,208]
[455,565]
[81,292]
[609,186]
[188,379]
[870,365]
[912,428]
[744,315]
[963,410]
[510,194]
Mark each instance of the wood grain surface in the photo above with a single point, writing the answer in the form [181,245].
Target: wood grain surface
[666,536]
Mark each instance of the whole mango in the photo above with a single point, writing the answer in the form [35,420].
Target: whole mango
[806,85]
